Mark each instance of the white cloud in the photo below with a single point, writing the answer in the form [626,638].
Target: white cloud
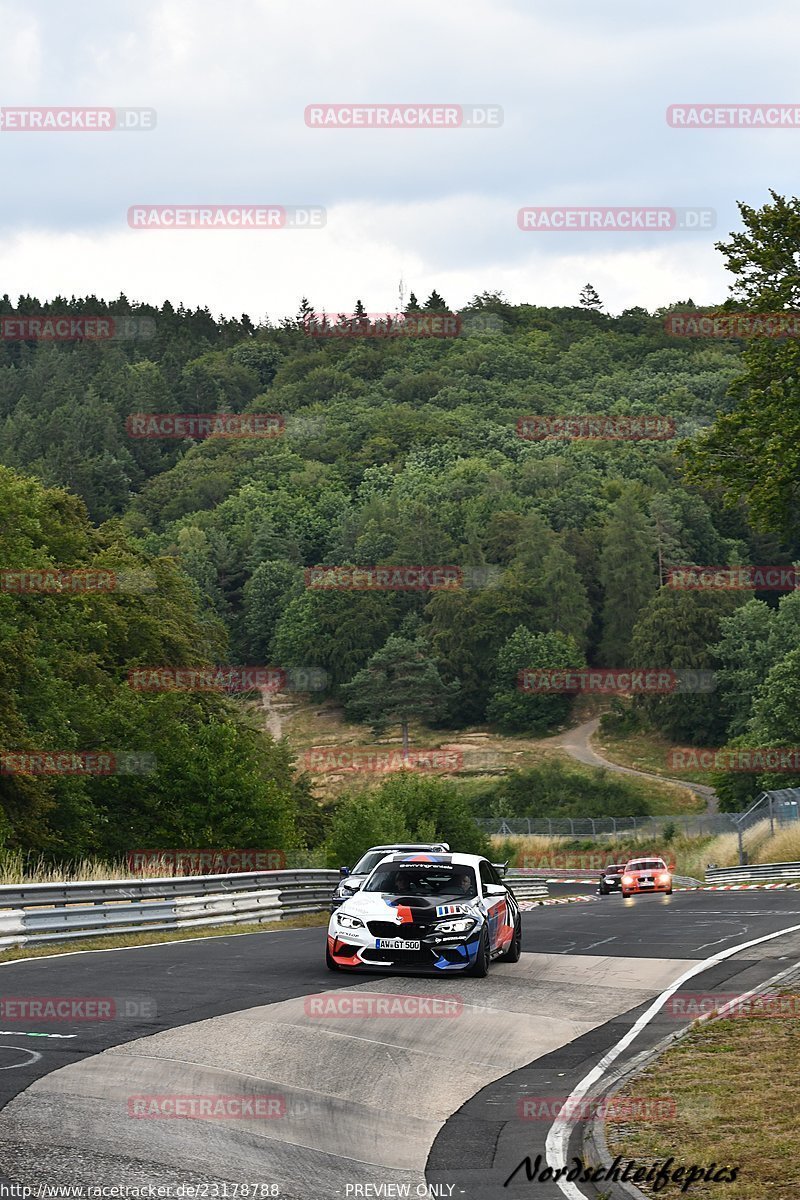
[584,88]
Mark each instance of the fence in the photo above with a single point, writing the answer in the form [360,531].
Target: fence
[48,912]
[753,874]
[526,886]
[699,823]
[51,912]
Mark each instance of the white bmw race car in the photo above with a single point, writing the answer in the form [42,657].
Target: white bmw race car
[436,912]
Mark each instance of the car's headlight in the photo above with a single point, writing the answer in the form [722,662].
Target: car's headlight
[349,922]
[664,878]
[628,879]
[456,926]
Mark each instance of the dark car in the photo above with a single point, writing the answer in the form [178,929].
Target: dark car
[610,878]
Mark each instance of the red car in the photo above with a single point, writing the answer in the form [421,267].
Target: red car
[645,875]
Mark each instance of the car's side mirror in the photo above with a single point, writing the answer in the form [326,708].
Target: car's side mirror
[344,871]
[493,889]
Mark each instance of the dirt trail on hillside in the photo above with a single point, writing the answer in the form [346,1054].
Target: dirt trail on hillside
[577,743]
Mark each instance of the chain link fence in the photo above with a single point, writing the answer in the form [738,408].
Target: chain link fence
[771,810]
[699,823]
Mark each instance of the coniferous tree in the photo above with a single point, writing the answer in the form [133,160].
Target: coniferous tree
[590,298]
[565,606]
[436,303]
[628,575]
[399,684]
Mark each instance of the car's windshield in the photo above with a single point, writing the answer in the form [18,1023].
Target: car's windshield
[429,880]
[615,869]
[369,861]
[647,864]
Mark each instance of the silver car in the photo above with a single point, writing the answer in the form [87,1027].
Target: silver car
[352,878]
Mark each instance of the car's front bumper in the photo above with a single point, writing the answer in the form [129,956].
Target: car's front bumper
[355,949]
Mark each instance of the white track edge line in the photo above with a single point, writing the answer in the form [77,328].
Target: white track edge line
[557,1142]
[211,937]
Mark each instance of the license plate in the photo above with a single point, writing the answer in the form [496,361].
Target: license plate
[646,883]
[395,944]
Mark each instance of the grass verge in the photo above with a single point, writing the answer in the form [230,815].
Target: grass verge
[644,751]
[120,941]
[736,1087]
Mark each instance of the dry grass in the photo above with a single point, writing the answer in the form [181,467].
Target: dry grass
[723,850]
[533,847]
[691,853]
[485,754]
[16,867]
[736,1087]
[644,751]
[783,847]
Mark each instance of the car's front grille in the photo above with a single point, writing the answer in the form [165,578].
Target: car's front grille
[388,929]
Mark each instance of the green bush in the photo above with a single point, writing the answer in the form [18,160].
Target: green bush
[406,807]
[555,789]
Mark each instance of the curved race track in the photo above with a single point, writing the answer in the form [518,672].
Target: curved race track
[358,1100]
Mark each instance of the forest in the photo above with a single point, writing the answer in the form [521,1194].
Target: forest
[389,451]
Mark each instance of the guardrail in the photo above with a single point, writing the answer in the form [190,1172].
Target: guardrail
[526,887]
[52,912]
[49,912]
[753,874]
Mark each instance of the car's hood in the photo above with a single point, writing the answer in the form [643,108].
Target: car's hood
[378,906]
[352,881]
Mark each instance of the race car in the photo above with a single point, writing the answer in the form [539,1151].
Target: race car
[436,912]
[645,875]
[610,878]
[352,879]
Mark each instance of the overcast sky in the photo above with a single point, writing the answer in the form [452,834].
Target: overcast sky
[584,87]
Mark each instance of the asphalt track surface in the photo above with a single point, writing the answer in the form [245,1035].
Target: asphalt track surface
[408,1101]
